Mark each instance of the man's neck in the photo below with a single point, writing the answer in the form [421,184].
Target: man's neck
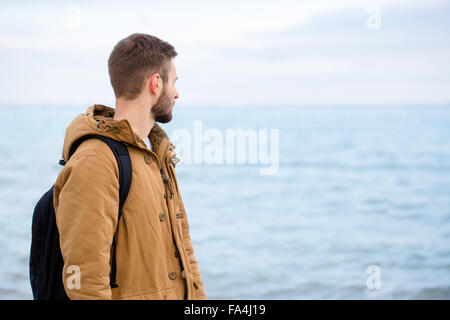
[138,115]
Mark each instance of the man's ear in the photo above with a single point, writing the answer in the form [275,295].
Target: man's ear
[155,83]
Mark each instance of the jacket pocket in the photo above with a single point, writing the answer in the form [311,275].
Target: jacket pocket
[182,224]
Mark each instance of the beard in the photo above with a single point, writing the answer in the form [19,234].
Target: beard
[162,109]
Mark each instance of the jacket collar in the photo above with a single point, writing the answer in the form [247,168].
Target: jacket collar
[101,118]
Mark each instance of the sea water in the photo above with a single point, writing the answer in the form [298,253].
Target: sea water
[358,188]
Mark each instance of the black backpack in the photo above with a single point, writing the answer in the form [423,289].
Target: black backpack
[46,262]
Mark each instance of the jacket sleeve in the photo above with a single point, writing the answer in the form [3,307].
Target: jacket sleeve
[86,201]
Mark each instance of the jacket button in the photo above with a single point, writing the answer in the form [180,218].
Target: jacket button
[172,275]
[148,158]
[162,216]
[183,274]
[116,129]
[176,255]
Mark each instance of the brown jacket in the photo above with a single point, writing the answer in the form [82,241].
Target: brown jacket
[155,257]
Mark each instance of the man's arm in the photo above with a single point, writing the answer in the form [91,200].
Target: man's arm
[86,206]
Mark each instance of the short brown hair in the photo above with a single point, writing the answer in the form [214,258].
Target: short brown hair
[134,59]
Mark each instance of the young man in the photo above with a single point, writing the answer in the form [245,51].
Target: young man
[154,254]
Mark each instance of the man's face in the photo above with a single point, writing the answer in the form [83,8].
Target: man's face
[162,109]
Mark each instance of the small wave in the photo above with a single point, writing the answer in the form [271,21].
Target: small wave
[438,293]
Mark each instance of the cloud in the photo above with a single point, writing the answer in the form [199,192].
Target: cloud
[205,23]
[234,52]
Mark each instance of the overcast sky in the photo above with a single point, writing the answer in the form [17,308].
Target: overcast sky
[233,52]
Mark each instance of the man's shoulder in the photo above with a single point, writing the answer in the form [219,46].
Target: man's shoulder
[93,150]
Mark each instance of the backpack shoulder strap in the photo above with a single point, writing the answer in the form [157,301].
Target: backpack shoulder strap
[122,156]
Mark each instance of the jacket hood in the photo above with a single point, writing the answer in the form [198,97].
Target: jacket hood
[99,119]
